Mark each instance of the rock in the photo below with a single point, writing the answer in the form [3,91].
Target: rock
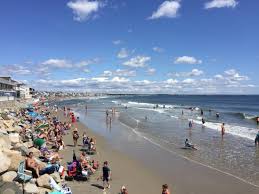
[5,162]
[30,188]
[43,181]
[9,176]
[10,188]
[35,152]
[56,177]
[24,150]
[5,142]
[15,157]
[14,138]
[43,190]
[28,144]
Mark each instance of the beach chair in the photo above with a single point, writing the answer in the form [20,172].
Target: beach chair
[23,174]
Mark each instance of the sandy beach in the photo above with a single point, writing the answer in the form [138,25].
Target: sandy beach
[157,166]
[125,171]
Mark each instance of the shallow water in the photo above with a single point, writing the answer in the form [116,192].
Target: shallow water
[234,154]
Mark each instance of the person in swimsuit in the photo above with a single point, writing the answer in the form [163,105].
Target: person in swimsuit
[165,189]
[32,165]
[223,129]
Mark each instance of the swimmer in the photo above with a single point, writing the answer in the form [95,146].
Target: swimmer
[257,120]
[217,115]
[188,144]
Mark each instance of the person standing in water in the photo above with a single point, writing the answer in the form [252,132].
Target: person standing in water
[190,124]
[217,115]
[165,189]
[223,129]
[257,139]
[201,112]
[257,120]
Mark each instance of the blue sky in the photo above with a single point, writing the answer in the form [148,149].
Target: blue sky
[136,46]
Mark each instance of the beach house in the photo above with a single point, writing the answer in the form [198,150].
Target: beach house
[7,89]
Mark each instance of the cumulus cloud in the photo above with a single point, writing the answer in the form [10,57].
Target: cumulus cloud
[221,4]
[192,73]
[158,49]
[84,9]
[63,63]
[123,53]
[120,73]
[168,9]
[138,61]
[171,81]
[233,75]
[187,60]
[151,71]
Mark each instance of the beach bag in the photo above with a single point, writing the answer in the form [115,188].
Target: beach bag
[61,170]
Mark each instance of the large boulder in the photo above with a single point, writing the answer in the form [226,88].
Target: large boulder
[10,188]
[43,181]
[15,157]
[24,150]
[30,188]
[9,176]
[5,162]
[5,142]
[35,152]
[14,138]
[56,177]
[43,190]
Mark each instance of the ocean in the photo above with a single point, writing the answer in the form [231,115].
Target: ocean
[162,120]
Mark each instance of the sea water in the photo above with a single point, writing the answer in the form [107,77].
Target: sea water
[163,121]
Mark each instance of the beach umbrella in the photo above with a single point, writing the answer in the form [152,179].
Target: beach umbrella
[42,126]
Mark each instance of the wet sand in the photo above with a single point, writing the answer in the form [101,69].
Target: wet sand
[183,176]
[125,171]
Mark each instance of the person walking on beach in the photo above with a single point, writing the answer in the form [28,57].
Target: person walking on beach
[75,137]
[106,175]
[223,129]
[165,189]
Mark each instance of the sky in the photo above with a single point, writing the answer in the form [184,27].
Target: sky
[132,46]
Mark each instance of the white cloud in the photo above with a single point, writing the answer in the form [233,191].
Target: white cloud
[188,81]
[151,71]
[187,60]
[167,9]
[86,70]
[100,79]
[120,79]
[218,76]
[221,4]
[138,61]
[123,53]
[83,9]
[196,72]
[117,42]
[171,81]
[15,69]
[158,49]
[120,73]
[58,63]
[125,73]
[63,63]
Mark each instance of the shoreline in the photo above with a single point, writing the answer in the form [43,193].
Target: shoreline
[125,170]
[182,171]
